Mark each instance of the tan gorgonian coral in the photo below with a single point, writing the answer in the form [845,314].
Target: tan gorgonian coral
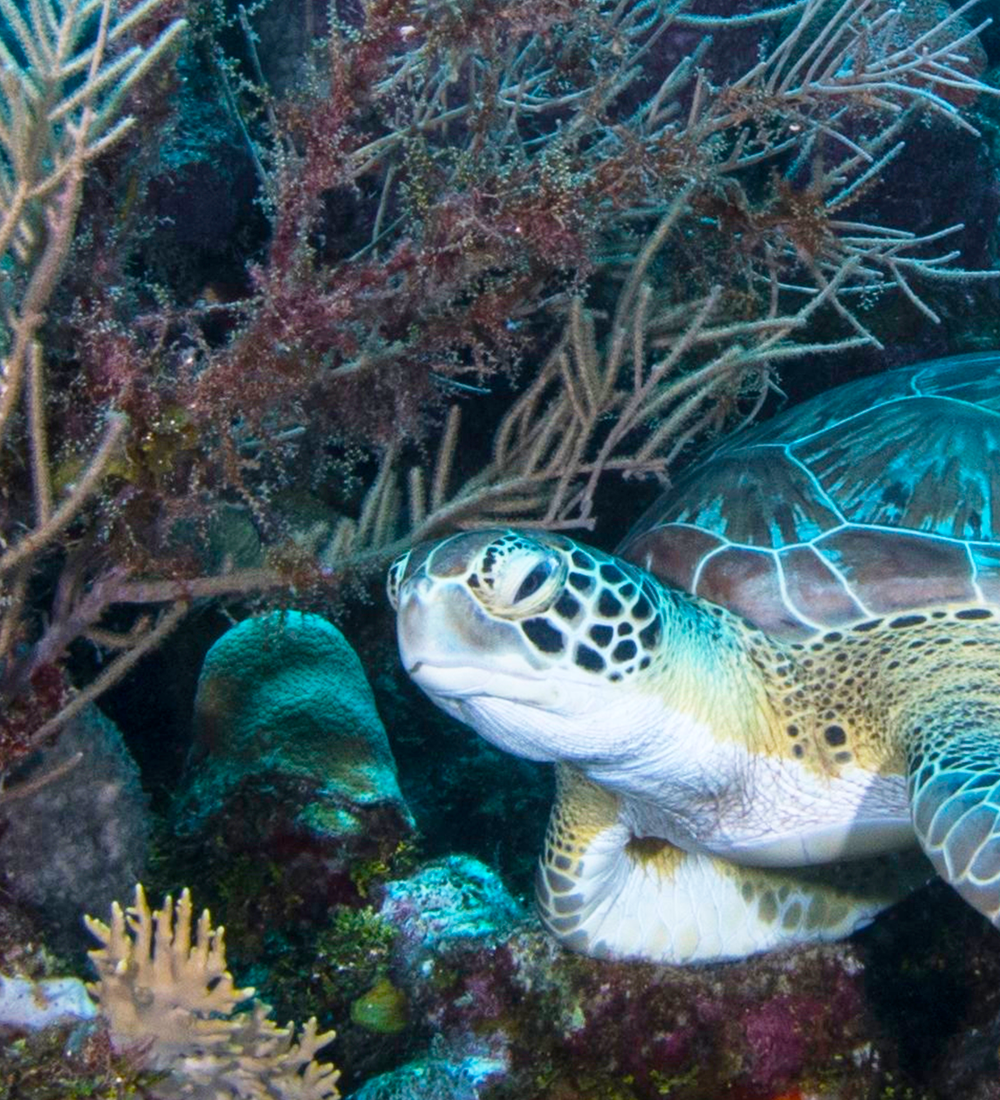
[67,71]
[172,1001]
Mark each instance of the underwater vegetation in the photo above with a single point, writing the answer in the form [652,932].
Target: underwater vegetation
[604,230]
[287,287]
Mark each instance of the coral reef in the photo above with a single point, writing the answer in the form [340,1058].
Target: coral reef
[290,767]
[287,286]
[289,816]
[508,1009]
[447,195]
[494,1009]
[164,990]
[70,1063]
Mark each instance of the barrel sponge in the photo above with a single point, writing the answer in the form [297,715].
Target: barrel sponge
[285,693]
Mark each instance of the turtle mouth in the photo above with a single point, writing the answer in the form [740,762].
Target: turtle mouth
[461,680]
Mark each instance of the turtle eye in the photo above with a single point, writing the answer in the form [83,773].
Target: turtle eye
[534,580]
[520,580]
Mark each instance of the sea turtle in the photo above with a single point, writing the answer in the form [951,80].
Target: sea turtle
[789,671]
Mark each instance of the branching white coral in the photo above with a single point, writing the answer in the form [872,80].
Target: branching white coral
[172,1000]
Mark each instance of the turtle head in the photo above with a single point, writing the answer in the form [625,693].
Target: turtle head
[538,643]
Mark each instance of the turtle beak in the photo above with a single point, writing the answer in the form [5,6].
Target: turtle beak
[447,639]
[439,624]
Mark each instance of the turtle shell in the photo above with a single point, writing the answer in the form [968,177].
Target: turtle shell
[881,496]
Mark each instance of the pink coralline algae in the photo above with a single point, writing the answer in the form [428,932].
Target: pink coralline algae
[479,975]
[777,1039]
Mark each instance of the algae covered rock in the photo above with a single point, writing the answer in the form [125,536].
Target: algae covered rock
[441,1077]
[506,1013]
[290,765]
[444,919]
[75,834]
[452,904]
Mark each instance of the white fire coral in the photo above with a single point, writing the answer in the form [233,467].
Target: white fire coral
[174,1002]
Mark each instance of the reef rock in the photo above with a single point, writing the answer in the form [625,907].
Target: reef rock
[32,1005]
[448,907]
[443,1077]
[75,826]
[504,1012]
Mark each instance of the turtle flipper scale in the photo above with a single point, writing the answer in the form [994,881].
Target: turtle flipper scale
[955,803]
[602,892]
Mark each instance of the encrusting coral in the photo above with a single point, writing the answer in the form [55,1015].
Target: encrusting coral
[169,999]
[285,693]
[289,802]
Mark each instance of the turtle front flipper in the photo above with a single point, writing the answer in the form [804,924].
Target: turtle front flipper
[954,783]
[603,892]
